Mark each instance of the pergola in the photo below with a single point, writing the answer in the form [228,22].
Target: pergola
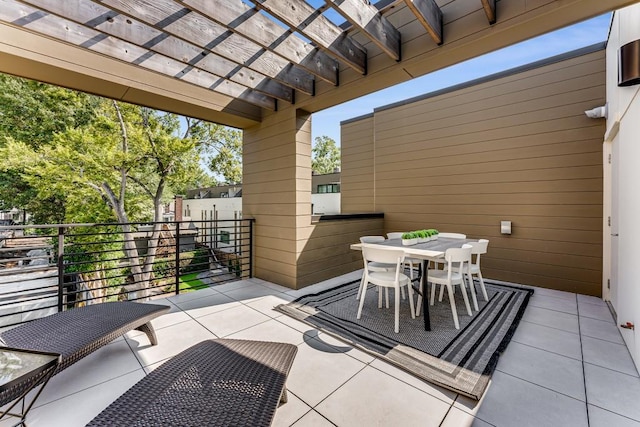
[264,66]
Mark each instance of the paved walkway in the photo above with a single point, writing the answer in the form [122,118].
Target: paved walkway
[565,366]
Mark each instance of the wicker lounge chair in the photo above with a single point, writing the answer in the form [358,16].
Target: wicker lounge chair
[78,332]
[221,382]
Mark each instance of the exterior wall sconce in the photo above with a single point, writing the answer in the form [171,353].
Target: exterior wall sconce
[629,64]
[505,227]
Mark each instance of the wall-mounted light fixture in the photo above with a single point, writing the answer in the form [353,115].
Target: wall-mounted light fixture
[629,64]
[597,113]
[505,227]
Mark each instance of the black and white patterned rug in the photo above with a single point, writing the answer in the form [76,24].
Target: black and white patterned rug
[460,360]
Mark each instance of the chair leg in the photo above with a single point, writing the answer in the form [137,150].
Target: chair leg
[397,309]
[410,295]
[433,293]
[441,293]
[473,292]
[453,307]
[360,288]
[364,292]
[484,290]
[386,294]
[379,297]
[420,299]
[463,289]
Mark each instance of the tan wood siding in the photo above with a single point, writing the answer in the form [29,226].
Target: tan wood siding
[516,148]
[326,252]
[276,191]
[357,180]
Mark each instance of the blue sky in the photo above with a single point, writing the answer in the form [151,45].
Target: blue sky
[595,30]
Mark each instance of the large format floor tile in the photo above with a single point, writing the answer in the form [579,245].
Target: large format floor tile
[113,360]
[598,417]
[510,401]
[175,339]
[600,329]
[616,392]
[549,339]
[563,305]
[271,330]
[76,410]
[608,355]
[552,318]
[550,370]
[372,397]
[594,311]
[226,322]
[316,374]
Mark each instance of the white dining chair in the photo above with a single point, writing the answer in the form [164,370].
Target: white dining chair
[374,266]
[438,263]
[395,279]
[449,277]
[478,248]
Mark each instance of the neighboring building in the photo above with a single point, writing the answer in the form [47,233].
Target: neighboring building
[218,192]
[225,201]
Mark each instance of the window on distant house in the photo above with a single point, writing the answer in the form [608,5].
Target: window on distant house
[328,188]
[225,237]
[224,194]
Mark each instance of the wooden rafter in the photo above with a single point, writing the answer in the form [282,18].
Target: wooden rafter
[490,9]
[300,16]
[363,15]
[50,25]
[245,21]
[173,18]
[110,22]
[429,15]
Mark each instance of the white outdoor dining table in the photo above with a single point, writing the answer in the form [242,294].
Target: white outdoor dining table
[431,250]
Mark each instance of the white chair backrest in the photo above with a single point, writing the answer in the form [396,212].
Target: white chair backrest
[382,255]
[452,235]
[395,235]
[371,239]
[462,254]
[479,247]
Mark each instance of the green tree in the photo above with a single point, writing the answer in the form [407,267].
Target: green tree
[325,155]
[221,146]
[117,166]
[33,113]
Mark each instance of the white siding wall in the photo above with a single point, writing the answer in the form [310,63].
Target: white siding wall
[624,112]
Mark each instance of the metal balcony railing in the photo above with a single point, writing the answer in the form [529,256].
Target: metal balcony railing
[54,267]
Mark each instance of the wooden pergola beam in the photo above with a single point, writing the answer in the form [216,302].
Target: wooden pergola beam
[301,17]
[430,16]
[490,10]
[363,15]
[110,22]
[44,23]
[203,34]
[247,22]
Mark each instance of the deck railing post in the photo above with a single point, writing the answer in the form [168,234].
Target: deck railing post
[177,261]
[251,248]
[60,263]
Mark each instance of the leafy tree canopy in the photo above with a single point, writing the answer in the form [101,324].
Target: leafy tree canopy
[67,153]
[325,155]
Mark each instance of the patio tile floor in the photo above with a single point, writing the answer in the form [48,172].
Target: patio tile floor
[565,366]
